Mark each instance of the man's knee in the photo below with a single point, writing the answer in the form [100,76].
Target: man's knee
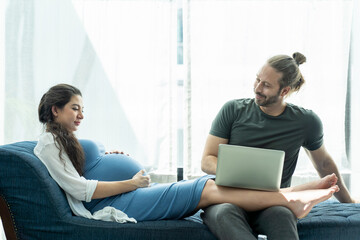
[277,217]
[280,212]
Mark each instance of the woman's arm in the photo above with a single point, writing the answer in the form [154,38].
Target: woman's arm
[64,173]
[107,189]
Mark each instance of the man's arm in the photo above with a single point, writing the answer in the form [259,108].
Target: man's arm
[209,158]
[324,165]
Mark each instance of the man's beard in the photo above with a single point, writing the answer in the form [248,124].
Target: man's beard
[266,101]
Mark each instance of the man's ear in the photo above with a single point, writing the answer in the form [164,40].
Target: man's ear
[54,111]
[285,91]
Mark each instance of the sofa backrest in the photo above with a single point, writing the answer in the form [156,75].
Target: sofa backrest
[35,200]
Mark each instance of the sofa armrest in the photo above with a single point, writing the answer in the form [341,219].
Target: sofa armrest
[7,220]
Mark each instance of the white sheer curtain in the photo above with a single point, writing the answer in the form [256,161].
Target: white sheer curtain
[121,55]
[2,69]
[135,43]
[2,81]
[230,40]
[354,86]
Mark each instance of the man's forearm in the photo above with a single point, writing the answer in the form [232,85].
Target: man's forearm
[208,164]
[343,195]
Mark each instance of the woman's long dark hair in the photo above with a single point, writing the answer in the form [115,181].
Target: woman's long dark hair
[59,96]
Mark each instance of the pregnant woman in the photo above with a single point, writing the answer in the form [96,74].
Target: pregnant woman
[115,188]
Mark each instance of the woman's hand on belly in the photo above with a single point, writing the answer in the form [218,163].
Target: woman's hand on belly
[140,180]
[110,188]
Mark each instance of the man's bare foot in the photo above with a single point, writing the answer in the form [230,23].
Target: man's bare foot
[301,203]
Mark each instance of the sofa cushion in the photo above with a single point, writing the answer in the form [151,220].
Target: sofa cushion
[331,220]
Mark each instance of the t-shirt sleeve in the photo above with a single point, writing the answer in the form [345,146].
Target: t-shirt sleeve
[65,174]
[222,124]
[314,132]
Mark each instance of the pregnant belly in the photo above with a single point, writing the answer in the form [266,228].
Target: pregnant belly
[113,167]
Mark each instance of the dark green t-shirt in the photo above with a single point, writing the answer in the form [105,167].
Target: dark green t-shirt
[243,123]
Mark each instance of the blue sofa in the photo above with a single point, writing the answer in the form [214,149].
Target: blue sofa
[32,206]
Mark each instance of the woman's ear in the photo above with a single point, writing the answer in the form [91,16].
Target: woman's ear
[54,111]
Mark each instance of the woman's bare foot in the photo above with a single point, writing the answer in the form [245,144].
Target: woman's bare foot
[326,182]
[301,203]
[323,183]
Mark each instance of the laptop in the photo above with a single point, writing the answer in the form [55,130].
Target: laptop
[249,167]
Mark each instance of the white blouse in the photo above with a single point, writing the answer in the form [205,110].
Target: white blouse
[76,187]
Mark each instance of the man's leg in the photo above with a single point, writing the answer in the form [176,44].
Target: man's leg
[276,222]
[228,221]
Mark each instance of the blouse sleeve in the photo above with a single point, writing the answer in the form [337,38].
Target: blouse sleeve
[64,173]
